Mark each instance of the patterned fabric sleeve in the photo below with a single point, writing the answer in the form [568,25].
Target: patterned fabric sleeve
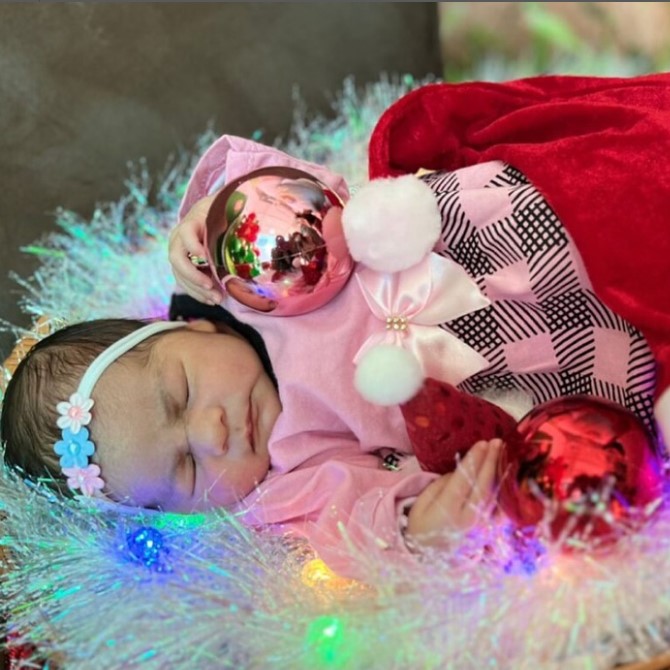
[545,332]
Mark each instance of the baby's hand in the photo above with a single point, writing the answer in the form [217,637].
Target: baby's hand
[455,501]
[187,254]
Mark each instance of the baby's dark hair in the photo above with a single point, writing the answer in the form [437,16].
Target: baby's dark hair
[50,373]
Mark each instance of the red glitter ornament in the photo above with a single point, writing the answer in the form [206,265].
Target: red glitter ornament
[444,422]
[587,467]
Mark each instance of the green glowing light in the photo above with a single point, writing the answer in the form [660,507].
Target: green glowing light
[329,642]
[171,520]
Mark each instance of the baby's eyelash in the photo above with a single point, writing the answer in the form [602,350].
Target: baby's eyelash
[187,391]
[194,470]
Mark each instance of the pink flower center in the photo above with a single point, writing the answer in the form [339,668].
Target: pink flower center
[74,412]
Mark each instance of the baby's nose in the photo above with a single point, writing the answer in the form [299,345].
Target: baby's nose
[208,431]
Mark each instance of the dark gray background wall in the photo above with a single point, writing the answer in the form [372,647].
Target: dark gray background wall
[84,88]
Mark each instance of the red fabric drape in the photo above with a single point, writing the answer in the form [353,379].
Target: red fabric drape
[597,148]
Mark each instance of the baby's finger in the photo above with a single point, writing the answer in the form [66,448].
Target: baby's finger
[203,292]
[201,296]
[190,231]
[209,296]
[185,270]
[464,477]
[197,283]
[474,459]
[188,239]
[483,485]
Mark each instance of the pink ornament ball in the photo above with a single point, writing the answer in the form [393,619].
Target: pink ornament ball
[275,242]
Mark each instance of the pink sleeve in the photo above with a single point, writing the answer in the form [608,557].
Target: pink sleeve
[231,157]
[349,510]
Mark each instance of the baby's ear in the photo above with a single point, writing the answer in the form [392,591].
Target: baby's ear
[202,326]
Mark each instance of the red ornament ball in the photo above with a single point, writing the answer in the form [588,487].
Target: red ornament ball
[585,467]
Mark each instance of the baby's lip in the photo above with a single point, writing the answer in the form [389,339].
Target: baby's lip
[251,427]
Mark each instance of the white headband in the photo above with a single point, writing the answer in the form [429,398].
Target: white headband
[75,448]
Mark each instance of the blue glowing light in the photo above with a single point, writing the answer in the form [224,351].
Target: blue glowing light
[147,545]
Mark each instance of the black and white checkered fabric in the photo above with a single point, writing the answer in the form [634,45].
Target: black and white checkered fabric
[545,332]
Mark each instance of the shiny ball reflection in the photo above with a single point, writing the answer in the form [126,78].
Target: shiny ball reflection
[585,467]
[268,237]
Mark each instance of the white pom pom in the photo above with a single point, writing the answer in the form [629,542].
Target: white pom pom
[391,224]
[388,375]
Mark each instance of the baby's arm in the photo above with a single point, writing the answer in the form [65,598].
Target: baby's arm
[187,243]
[455,501]
[350,509]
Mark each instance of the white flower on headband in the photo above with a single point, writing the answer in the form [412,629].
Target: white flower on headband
[87,479]
[75,413]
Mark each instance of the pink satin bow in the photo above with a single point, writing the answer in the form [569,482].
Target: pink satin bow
[411,304]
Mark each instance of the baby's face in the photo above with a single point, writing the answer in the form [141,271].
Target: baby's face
[188,430]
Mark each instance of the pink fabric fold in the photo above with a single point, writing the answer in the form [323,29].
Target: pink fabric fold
[231,157]
[429,293]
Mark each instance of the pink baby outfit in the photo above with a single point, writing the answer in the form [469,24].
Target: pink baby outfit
[331,479]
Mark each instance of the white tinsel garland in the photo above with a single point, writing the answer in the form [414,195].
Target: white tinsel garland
[102,587]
